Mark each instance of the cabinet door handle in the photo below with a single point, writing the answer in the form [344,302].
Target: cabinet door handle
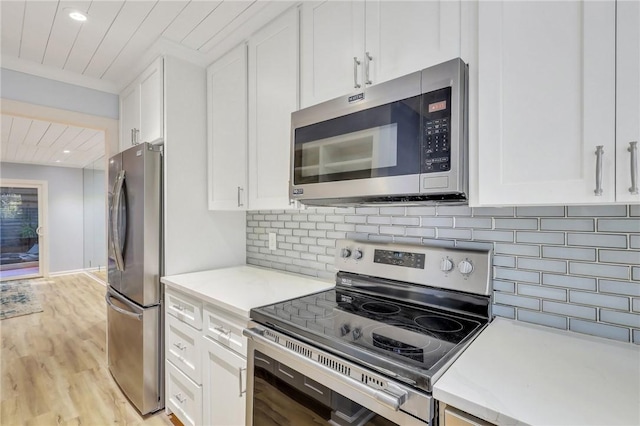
[633,151]
[367,58]
[221,330]
[180,399]
[599,154]
[136,136]
[356,62]
[133,136]
[240,369]
[239,196]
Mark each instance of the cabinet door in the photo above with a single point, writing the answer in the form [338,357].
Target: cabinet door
[129,115]
[332,35]
[407,36]
[546,100]
[273,96]
[224,386]
[227,121]
[628,99]
[152,103]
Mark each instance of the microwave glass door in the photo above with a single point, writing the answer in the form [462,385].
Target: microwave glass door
[374,142]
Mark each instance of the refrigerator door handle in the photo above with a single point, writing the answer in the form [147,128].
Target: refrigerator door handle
[107,298]
[118,242]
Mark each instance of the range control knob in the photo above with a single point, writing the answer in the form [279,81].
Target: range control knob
[465,267]
[357,254]
[344,329]
[356,333]
[346,252]
[446,264]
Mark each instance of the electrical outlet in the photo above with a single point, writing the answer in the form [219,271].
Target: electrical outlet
[272,241]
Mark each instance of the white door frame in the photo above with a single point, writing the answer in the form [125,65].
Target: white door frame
[43,222]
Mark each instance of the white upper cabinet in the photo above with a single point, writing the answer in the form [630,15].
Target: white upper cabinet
[227,121]
[142,108]
[347,46]
[546,102]
[273,96]
[628,101]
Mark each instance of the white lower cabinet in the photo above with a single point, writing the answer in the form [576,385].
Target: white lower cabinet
[206,362]
[183,397]
[224,386]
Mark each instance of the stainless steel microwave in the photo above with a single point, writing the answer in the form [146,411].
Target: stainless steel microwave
[402,141]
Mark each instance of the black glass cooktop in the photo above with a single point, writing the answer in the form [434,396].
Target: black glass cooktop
[412,335]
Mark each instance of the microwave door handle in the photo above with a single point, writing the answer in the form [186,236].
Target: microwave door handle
[118,242]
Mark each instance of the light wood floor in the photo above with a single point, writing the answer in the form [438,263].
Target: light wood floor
[53,368]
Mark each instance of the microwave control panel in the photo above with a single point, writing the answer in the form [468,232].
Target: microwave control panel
[436,149]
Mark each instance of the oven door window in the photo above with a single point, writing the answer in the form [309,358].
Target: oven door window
[282,396]
[375,142]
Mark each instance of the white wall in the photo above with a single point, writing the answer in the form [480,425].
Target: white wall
[36,90]
[95,221]
[195,238]
[65,211]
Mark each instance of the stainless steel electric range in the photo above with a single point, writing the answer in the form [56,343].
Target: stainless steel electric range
[368,351]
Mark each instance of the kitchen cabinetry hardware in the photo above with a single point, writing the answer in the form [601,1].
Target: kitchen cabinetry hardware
[178,307]
[356,62]
[221,330]
[239,196]
[367,66]
[599,154]
[180,346]
[633,154]
[240,381]
[180,398]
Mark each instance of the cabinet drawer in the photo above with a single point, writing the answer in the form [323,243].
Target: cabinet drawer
[225,330]
[183,348]
[303,383]
[185,308]
[183,397]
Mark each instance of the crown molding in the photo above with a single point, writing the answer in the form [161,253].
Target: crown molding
[45,71]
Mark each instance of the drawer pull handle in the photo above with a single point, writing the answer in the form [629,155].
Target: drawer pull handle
[180,346]
[178,307]
[240,369]
[180,399]
[221,330]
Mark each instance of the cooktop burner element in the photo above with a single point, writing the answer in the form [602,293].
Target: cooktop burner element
[408,319]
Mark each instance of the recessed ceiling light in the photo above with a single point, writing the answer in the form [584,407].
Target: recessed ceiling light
[76,15]
[66,151]
[57,161]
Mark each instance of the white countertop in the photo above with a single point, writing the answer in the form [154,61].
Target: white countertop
[240,288]
[519,373]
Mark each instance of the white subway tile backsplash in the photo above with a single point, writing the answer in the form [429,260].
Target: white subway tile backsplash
[544,211]
[619,225]
[599,270]
[518,301]
[542,265]
[571,253]
[542,319]
[597,211]
[516,224]
[542,292]
[599,329]
[575,266]
[567,225]
[540,237]
[620,318]
[620,256]
[569,281]
[597,299]
[574,311]
[597,240]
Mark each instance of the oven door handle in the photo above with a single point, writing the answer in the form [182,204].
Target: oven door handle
[392,397]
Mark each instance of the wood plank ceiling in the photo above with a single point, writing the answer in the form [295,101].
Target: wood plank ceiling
[105,47]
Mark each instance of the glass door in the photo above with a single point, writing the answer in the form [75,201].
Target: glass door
[22,240]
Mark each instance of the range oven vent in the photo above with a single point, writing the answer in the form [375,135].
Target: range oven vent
[372,381]
[270,335]
[334,365]
[299,349]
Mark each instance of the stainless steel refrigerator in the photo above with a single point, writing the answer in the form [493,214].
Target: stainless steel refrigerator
[134,294]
